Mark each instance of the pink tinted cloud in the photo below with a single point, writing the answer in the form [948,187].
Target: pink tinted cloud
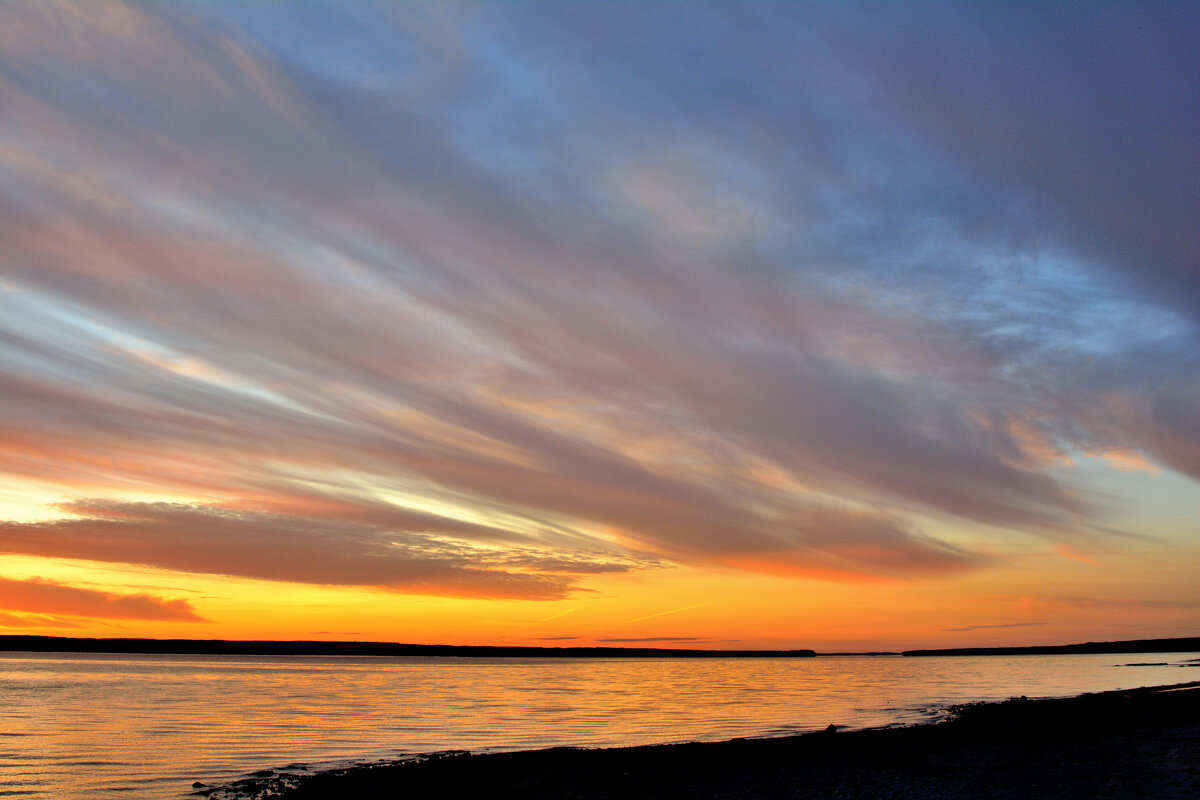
[49,598]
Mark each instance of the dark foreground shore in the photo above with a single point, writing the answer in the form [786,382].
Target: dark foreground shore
[1141,743]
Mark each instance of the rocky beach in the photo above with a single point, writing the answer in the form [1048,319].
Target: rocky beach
[1138,743]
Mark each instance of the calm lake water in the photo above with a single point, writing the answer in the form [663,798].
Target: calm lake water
[83,727]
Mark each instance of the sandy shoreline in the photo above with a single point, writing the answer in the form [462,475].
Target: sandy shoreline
[1124,744]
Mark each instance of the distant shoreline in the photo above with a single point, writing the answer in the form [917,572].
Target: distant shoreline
[65,644]
[62,644]
[1180,645]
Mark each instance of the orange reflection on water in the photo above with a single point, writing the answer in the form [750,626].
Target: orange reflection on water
[79,727]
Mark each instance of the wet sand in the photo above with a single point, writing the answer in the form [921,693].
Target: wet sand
[1141,743]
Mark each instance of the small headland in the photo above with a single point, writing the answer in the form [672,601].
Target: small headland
[1178,645]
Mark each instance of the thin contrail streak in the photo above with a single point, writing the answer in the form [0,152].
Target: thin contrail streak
[672,611]
[561,614]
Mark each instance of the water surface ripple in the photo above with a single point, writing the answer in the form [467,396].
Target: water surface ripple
[90,726]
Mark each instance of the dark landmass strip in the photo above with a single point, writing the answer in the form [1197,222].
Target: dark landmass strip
[62,644]
[1188,645]
[1141,743]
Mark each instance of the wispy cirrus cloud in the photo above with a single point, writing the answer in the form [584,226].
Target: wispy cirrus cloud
[8,620]
[317,270]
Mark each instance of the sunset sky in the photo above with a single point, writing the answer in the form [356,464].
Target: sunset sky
[680,324]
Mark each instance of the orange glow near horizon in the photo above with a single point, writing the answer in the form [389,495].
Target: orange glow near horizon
[741,601]
[746,602]
[679,607]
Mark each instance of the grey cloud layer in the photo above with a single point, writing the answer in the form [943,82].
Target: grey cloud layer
[304,550]
[722,285]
